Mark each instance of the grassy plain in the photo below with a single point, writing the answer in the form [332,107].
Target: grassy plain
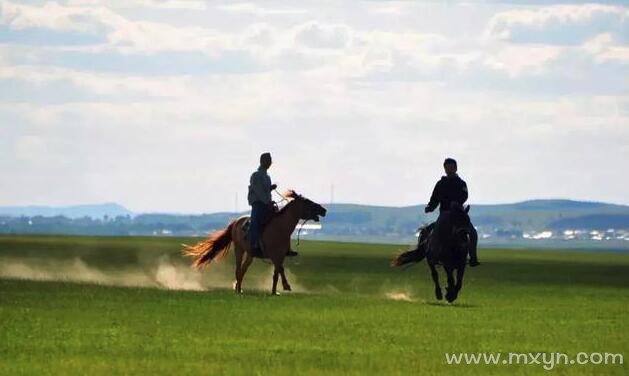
[84,305]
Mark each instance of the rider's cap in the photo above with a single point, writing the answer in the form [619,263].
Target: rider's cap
[449,161]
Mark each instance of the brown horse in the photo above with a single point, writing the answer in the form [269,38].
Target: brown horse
[275,240]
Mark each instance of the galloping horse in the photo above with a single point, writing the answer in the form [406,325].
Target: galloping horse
[448,245]
[275,240]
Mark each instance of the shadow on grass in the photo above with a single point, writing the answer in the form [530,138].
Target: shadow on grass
[450,305]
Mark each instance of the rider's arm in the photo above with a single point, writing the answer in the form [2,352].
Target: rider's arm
[434,198]
[464,194]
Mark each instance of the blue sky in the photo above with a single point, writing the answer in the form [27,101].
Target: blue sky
[166,105]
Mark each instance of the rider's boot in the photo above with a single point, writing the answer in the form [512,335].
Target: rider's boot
[474,249]
[257,252]
[291,253]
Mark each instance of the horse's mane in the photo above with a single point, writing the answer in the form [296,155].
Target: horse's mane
[284,208]
[291,196]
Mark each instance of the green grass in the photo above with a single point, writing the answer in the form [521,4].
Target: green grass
[341,320]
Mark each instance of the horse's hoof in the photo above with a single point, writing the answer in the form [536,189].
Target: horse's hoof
[275,293]
[438,294]
[450,297]
[287,288]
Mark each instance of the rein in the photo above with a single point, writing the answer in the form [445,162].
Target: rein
[299,232]
[281,195]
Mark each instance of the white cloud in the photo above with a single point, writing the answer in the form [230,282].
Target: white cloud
[157,4]
[603,48]
[392,9]
[121,33]
[151,37]
[255,9]
[519,61]
[559,24]
[55,17]
[317,35]
[99,83]
[353,94]
[175,4]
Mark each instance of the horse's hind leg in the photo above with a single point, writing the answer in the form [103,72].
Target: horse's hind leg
[435,279]
[285,284]
[450,288]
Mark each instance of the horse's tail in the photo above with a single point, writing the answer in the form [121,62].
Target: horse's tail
[407,257]
[214,247]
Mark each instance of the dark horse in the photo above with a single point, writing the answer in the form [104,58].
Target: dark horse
[447,245]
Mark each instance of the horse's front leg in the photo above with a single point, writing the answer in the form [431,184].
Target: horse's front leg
[275,276]
[435,279]
[450,288]
[243,269]
[459,280]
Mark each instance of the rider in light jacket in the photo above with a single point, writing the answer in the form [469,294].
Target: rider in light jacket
[259,197]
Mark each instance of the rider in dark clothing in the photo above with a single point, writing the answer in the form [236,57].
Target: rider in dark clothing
[450,190]
[447,190]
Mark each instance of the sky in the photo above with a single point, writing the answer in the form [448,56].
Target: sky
[165,106]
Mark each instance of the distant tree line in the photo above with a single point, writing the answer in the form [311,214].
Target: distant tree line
[146,224]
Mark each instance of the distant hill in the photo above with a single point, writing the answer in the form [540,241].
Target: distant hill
[527,215]
[76,211]
[594,222]
[540,214]
[497,224]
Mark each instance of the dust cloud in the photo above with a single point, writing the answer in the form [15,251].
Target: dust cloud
[162,273]
[399,295]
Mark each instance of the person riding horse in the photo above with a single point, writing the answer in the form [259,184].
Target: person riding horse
[262,205]
[449,192]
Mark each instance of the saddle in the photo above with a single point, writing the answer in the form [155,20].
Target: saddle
[247,224]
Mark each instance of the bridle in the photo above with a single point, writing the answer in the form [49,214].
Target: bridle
[303,223]
[281,195]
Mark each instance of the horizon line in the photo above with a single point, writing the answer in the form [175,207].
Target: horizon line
[324,203]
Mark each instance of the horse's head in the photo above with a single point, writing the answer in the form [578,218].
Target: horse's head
[461,224]
[307,209]
[460,215]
